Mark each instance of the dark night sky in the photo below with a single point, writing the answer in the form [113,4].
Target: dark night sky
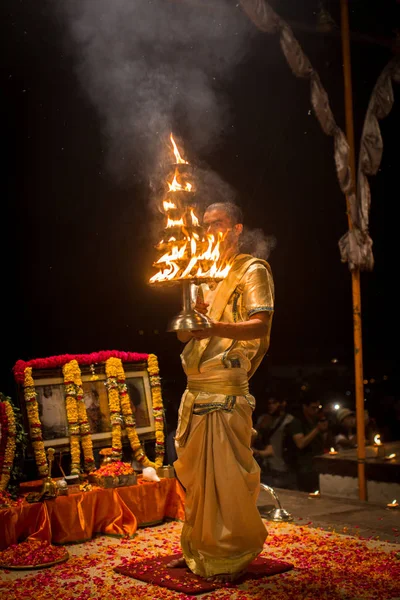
[76,253]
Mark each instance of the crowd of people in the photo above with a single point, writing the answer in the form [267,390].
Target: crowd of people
[285,441]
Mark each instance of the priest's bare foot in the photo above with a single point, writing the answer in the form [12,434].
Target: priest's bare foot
[225,577]
[177,563]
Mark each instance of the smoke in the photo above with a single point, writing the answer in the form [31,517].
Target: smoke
[155,66]
[257,243]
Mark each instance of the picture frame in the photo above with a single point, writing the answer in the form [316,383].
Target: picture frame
[50,389]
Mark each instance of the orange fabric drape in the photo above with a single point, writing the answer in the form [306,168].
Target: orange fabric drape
[78,517]
[21,522]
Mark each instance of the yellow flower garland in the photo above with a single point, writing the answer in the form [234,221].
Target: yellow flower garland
[116,386]
[112,365]
[34,422]
[158,409]
[78,423]
[86,438]
[9,452]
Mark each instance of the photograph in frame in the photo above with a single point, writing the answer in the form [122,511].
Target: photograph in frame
[52,412]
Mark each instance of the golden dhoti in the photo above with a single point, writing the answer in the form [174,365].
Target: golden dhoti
[223,530]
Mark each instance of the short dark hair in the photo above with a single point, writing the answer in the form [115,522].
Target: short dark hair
[274,398]
[233,211]
[311,399]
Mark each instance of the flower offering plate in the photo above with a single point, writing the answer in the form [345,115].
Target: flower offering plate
[32,555]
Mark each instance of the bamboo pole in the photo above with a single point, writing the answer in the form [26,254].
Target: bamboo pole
[355,273]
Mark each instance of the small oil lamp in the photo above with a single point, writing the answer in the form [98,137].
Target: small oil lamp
[390,456]
[332,451]
[393,505]
[379,447]
[315,494]
[49,488]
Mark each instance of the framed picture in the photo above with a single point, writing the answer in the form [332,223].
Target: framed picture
[50,391]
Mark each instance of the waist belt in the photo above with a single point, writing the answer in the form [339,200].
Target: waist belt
[229,382]
[226,382]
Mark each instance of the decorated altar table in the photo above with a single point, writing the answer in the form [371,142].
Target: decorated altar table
[79,516]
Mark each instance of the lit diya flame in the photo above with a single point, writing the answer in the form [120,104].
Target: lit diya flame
[178,158]
[390,456]
[176,223]
[332,451]
[377,440]
[190,252]
[175,186]
[315,494]
[168,206]
[393,504]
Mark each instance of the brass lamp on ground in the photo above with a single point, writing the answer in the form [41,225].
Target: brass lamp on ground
[278,513]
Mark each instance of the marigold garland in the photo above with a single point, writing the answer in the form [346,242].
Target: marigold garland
[112,365]
[119,401]
[3,433]
[78,423]
[8,435]
[158,409]
[32,410]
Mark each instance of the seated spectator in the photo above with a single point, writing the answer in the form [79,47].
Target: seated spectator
[346,436]
[346,429]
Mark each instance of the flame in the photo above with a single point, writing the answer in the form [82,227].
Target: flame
[390,456]
[174,255]
[175,186]
[178,158]
[176,223]
[190,253]
[166,275]
[168,205]
[377,440]
[195,220]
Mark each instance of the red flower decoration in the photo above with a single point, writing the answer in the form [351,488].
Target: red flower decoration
[52,362]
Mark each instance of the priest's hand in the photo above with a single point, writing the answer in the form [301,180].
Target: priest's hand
[256,327]
[203,334]
[201,307]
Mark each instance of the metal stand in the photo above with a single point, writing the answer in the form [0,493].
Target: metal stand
[278,513]
[188,319]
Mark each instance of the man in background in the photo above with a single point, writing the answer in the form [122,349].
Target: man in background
[276,471]
[308,431]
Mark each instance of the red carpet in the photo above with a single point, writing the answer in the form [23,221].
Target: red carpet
[155,571]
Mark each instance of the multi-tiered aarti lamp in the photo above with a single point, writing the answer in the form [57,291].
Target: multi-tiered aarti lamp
[190,255]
